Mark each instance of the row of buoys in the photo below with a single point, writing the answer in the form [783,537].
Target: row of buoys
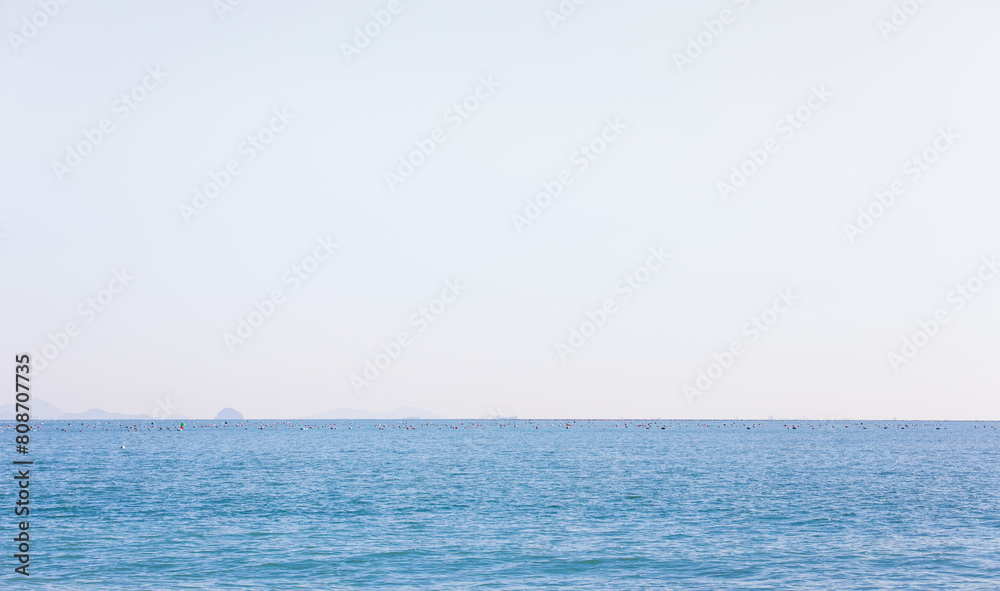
[594,423]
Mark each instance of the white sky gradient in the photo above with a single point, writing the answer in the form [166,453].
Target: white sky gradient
[494,348]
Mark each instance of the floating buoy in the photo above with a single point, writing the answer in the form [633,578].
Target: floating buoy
[123,447]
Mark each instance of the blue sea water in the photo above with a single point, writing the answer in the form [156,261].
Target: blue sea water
[513,504]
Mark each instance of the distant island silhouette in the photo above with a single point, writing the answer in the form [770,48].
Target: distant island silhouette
[43,411]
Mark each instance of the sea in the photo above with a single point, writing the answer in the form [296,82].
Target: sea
[507,504]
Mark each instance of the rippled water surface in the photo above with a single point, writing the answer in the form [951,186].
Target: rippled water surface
[511,505]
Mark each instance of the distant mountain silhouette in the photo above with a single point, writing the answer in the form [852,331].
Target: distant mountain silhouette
[403,412]
[43,411]
[39,411]
[96,414]
[229,414]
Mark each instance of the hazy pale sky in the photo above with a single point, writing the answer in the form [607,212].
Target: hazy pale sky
[742,208]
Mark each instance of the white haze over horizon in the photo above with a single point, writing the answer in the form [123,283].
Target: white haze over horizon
[493,350]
